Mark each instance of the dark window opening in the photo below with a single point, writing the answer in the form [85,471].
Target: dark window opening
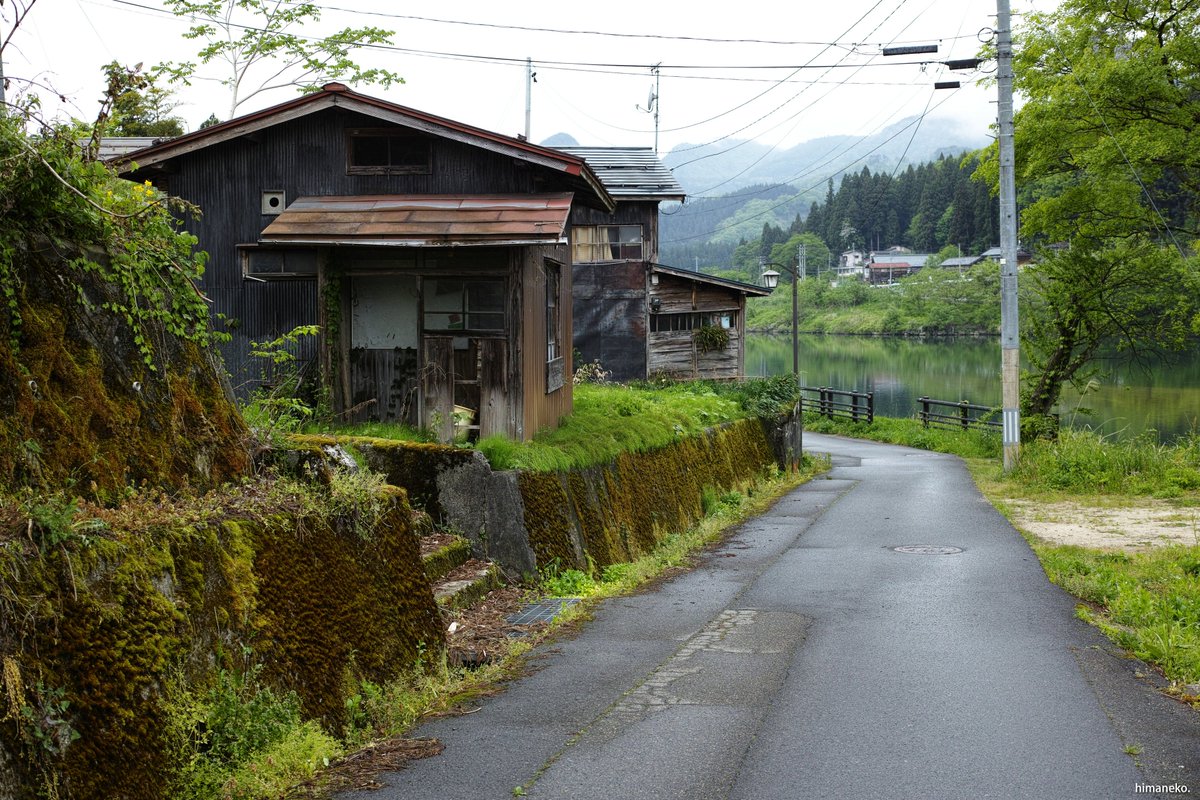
[667,323]
[266,262]
[373,152]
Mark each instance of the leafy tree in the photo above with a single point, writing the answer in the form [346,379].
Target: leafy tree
[138,107]
[261,47]
[1108,148]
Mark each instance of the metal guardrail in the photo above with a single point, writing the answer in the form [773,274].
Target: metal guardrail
[965,415]
[860,407]
[855,406]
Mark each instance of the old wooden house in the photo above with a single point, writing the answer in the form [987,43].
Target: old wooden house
[637,317]
[433,255]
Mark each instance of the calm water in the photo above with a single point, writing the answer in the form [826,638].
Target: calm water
[898,371]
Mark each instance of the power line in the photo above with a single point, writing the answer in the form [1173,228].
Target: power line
[807,189]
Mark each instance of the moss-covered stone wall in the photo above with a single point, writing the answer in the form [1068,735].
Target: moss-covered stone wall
[108,636]
[622,510]
[612,513]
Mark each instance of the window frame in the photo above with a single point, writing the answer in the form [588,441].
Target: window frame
[425,167]
[247,251]
[629,249]
[464,308]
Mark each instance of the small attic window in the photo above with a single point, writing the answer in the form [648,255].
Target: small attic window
[372,151]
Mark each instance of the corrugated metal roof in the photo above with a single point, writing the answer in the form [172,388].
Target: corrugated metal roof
[116,146]
[423,220]
[712,280]
[630,172]
[961,261]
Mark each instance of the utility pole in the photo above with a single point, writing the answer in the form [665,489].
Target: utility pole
[1010,353]
[530,79]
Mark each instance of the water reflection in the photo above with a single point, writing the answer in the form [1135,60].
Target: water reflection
[899,370]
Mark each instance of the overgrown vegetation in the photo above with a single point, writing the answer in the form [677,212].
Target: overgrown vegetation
[1147,602]
[57,195]
[610,419]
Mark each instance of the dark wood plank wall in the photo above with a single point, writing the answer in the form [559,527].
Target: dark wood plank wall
[609,301]
[304,157]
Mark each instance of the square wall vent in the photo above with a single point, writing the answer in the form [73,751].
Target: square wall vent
[273,201]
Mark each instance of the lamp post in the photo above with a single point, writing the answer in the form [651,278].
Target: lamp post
[771,280]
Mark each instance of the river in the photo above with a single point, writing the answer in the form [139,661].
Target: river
[1129,402]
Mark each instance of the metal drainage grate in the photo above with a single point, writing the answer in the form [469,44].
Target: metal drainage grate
[545,611]
[927,549]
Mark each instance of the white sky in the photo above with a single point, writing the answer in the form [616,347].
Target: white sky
[65,42]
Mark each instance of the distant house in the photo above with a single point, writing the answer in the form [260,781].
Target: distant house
[960,263]
[852,264]
[634,316]
[995,254]
[888,266]
[434,256]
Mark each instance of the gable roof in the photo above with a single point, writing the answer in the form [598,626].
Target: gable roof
[631,172]
[338,95]
[423,219]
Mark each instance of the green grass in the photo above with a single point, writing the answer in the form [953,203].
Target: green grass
[1147,602]
[610,419]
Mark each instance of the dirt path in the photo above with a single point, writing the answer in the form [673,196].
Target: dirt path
[1153,523]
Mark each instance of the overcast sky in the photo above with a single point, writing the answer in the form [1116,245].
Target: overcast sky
[748,69]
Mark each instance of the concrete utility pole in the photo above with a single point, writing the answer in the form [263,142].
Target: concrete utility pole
[1010,353]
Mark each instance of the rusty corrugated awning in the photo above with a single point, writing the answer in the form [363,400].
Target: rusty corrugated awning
[423,220]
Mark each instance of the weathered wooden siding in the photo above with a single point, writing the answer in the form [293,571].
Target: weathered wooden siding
[626,213]
[682,296]
[675,354]
[609,300]
[384,385]
[543,408]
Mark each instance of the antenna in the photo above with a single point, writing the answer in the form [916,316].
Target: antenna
[652,103]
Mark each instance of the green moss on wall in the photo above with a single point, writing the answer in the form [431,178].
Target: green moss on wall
[82,411]
[119,624]
[623,510]
[547,521]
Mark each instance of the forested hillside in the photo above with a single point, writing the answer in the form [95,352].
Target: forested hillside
[927,208]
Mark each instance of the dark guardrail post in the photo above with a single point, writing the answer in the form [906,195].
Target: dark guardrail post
[924,401]
[870,408]
[964,414]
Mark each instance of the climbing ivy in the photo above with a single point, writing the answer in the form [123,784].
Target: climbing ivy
[55,194]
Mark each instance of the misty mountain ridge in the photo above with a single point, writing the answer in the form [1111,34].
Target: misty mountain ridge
[727,166]
[735,187]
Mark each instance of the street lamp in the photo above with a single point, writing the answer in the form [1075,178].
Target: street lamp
[771,280]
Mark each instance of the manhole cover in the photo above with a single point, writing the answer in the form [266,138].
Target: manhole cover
[927,549]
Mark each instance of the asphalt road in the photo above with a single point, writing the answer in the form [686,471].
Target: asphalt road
[808,658]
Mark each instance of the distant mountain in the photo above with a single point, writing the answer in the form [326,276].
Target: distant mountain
[560,140]
[734,187]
